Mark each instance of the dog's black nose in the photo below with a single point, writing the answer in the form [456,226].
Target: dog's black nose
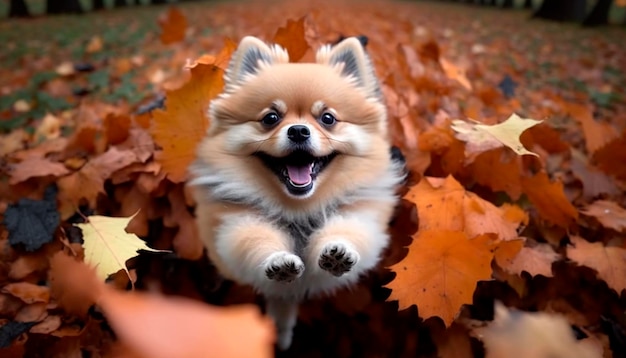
[298,133]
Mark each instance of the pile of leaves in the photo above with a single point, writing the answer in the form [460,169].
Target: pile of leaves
[515,144]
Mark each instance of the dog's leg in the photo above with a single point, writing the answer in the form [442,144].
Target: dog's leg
[253,250]
[285,314]
[349,242]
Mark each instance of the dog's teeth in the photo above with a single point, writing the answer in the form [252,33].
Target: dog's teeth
[285,172]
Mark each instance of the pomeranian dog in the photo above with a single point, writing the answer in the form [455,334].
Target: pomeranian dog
[294,181]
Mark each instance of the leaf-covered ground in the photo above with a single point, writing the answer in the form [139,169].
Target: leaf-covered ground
[99,115]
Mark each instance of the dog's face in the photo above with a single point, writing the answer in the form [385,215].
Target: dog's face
[298,131]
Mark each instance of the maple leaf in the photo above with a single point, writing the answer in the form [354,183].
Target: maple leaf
[443,204]
[90,179]
[536,260]
[292,38]
[36,167]
[609,262]
[441,271]
[180,127]
[549,199]
[608,213]
[194,329]
[537,334]
[173,25]
[108,246]
[481,137]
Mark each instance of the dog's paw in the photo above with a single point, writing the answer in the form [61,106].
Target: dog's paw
[283,267]
[337,258]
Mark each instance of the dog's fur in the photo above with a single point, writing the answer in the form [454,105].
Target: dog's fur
[257,232]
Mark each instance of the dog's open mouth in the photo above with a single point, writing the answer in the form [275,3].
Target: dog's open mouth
[297,170]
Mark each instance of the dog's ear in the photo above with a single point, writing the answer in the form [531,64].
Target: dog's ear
[251,56]
[350,59]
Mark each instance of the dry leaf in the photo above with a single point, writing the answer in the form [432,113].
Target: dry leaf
[455,73]
[28,292]
[608,213]
[549,199]
[610,262]
[522,334]
[441,271]
[481,137]
[36,167]
[108,246]
[173,25]
[536,260]
[180,127]
[292,38]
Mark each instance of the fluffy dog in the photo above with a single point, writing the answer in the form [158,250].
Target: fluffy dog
[294,180]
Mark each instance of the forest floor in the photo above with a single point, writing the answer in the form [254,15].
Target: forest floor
[109,103]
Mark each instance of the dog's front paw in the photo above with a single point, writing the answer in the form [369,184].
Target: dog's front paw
[283,267]
[337,258]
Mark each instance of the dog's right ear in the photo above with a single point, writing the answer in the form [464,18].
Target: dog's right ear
[251,56]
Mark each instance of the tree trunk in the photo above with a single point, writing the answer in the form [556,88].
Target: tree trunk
[562,10]
[599,15]
[528,4]
[120,3]
[507,4]
[157,2]
[63,7]
[98,5]
[18,8]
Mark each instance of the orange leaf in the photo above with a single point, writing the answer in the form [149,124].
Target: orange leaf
[116,127]
[222,58]
[443,204]
[608,213]
[609,262]
[499,169]
[441,271]
[173,25]
[180,127]
[549,199]
[597,134]
[455,73]
[193,329]
[291,38]
[36,167]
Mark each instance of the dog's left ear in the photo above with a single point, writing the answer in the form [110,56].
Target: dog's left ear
[350,58]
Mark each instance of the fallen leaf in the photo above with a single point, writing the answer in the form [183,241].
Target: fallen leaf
[49,128]
[608,213]
[173,25]
[116,128]
[597,134]
[609,262]
[481,137]
[180,127]
[292,38]
[35,312]
[537,334]
[610,156]
[28,292]
[12,142]
[48,325]
[441,271]
[549,199]
[108,246]
[593,180]
[94,45]
[500,170]
[443,204]
[455,72]
[34,167]
[536,260]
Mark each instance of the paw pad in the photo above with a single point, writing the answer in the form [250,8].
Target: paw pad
[337,259]
[283,267]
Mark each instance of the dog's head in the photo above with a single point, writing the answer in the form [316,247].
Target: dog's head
[303,131]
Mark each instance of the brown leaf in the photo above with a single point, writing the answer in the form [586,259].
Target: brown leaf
[173,25]
[28,292]
[593,180]
[609,262]
[34,167]
[536,260]
[116,127]
[610,157]
[597,134]
[48,325]
[608,213]
[35,312]
[187,242]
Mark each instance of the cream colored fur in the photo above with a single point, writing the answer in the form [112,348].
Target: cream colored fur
[248,220]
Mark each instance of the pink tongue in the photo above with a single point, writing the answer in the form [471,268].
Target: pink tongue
[299,175]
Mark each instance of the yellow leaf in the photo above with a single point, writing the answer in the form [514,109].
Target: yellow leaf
[481,137]
[108,246]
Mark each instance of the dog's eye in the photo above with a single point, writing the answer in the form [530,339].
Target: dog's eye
[328,119]
[270,119]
